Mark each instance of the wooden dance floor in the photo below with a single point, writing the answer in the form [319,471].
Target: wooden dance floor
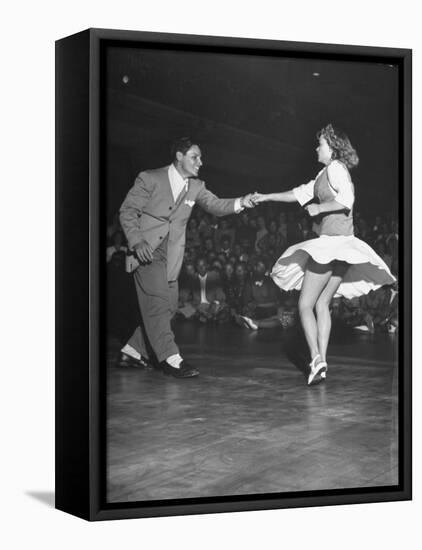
[249,424]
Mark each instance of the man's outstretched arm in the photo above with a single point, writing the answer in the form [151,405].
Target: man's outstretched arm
[222,207]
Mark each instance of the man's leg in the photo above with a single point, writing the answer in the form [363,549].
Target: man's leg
[174,297]
[136,345]
[139,343]
[157,303]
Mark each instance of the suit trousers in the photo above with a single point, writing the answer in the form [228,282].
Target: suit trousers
[157,298]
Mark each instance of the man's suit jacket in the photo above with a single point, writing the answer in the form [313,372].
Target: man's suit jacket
[149,212]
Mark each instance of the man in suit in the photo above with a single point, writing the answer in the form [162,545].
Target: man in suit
[154,216]
[208,297]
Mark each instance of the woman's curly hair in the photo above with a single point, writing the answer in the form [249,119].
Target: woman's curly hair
[340,145]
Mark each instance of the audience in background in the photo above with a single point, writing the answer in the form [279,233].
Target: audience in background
[225,275]
[208,298]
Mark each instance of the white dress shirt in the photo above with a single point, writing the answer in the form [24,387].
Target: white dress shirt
[177,183]
[340,183]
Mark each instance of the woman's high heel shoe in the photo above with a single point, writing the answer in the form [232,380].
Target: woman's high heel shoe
[318,371]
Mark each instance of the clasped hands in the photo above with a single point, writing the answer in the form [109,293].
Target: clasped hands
[251,200]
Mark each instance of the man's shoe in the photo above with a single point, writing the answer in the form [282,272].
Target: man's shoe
[126,360]
[184,371]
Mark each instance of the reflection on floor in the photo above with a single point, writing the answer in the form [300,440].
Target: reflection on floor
[249,424]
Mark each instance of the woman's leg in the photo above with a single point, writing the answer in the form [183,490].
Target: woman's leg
[322,307]
[315,279]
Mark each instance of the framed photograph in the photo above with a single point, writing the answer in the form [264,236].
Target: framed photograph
[233,280]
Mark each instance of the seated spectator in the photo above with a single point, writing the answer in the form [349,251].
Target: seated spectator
[227,279]
[271,239]
[286,317]
[294,234]
[282,226]
[246,245]
[260,233]
[381,306]
[208,297]
[237,250]
[193,239]
[352,314]
[254,227]
[240,294]
[205,228]
[372,304]
[185,306]
[305,227]
[244,258]
[222,258]
[225,246]
[187,275]
[243,230]
[209,245]
[211,256]
[264,299]
[271,255]
[213,222]
[288,312]
[229,285]
[336,310]
[223,230]
[217,266]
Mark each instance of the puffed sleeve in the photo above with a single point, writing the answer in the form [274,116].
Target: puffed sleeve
[304,193]
[341,184]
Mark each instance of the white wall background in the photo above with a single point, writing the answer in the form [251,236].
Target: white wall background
[27,272]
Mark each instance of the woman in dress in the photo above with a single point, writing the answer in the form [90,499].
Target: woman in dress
[336,263]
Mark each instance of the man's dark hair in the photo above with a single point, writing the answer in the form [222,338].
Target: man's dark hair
[182,145]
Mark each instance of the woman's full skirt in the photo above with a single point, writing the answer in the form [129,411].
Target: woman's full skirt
[366,272]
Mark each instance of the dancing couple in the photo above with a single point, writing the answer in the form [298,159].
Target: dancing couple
[154,217]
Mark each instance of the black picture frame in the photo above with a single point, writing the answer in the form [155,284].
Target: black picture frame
[80,385]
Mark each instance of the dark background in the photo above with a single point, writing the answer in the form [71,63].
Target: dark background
[256,118]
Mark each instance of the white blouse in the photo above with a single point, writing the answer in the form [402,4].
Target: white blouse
[340,183]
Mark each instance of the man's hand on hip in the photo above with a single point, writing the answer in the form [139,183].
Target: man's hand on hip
[144,251]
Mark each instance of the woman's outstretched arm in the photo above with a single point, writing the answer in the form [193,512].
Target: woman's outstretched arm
[285,196]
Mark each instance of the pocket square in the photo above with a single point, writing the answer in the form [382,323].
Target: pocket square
[189,203]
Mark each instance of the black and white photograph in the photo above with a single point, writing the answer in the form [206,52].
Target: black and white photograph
[210,283]
[254,266]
